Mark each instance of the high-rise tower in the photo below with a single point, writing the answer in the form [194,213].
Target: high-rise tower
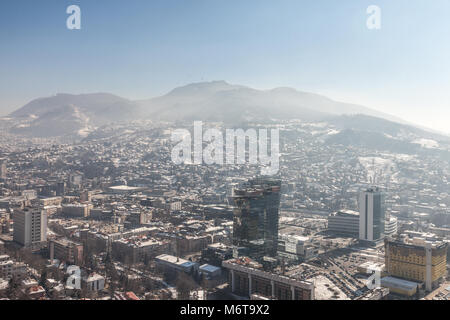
[256,213]
[372,214]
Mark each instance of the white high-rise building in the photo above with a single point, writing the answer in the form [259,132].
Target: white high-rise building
[371,215]
[30,227]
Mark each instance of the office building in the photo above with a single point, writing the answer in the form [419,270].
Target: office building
[30,227]
[296,248]
[417,259]
[371,215]
[247,277]
[255,216]
[344,222]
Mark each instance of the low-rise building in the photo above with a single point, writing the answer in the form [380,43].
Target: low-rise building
[345,222]
[246,277]
[66,250]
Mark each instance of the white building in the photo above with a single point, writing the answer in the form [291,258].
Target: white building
[390,228]
[371,215]
[294,247]
[94,282]
[6,267]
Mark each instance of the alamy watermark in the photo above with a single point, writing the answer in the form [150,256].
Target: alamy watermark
[229,148]
[374,281]
[73,22]
[74,280]
[374,20]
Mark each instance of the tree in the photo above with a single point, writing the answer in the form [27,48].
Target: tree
[13,288]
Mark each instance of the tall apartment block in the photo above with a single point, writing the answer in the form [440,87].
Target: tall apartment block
[30,227]
[256,214]
[372,215]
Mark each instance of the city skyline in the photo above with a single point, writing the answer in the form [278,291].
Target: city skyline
[146,49]
[232,153]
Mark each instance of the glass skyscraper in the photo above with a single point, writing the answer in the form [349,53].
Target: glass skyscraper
[256,214]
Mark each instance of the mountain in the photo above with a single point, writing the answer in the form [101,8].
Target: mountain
[66,114]
[362,122]
[79,115]
[220,101]
[380,142]
[101,107]
[60,121]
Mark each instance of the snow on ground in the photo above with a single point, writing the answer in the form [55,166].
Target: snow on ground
[427,143]
[325,289]
[379,168]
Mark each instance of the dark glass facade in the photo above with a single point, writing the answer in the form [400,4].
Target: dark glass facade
[256,214]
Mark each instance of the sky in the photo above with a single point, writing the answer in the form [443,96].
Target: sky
[139,49]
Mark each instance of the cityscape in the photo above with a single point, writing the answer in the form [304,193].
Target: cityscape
[134,225]
[215,187]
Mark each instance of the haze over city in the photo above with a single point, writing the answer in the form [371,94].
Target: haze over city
[147,48]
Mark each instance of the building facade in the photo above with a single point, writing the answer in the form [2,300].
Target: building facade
[420,261]
[344,221]
[256,213]
[66,250]
[372,215]
[30,227]
[247,278]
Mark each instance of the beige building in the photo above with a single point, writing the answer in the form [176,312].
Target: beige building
[66,250]
[418,260]
[30,227]
[81,210]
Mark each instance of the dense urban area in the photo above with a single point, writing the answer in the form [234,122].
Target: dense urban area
[110,216]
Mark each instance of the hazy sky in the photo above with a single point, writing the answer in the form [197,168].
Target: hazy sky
[144,48]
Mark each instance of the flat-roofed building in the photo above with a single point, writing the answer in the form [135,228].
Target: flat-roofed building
[138,249]
[30,227]
[400,286]
[344,221]
[247,277]
[93,282]
[210,271]
[296,248]
[81,210]
[417,259]
[66,250]
[369,267]
[172,263]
